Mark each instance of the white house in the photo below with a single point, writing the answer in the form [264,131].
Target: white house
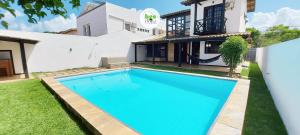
[106,18]
[106,30]
[193,36]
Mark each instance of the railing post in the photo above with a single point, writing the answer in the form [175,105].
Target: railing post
[153,57]
[179,55]
[135,53]
[195,17]
[223,17]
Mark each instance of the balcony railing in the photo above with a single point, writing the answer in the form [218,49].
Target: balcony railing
[207,26]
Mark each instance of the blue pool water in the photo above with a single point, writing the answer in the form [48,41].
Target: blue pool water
[155,103]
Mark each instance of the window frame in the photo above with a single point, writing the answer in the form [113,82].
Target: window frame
[213,44]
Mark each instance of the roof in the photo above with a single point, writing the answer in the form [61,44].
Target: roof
[67,31]
[17,39]
[190,2]
[186,11]
[250,4]
[100,5]
[163,39]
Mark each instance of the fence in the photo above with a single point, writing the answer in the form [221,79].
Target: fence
[251,55]
[280,65]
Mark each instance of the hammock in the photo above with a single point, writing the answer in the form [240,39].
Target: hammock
[204,60]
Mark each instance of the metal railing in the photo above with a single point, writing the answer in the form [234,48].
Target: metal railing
[207,26]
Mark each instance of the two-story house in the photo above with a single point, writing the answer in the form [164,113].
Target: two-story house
[193,36]
[103,18]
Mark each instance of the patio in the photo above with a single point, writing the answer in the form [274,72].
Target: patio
[193,67]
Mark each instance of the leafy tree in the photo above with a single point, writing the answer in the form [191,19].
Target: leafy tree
[35,9]
[255,35]
[277,34]
[233,51]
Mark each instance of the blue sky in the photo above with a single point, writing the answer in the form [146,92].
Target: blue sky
[268,13]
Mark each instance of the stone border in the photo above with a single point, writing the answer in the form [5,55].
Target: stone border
[229,121]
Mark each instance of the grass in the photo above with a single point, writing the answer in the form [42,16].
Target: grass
[245,73]
[27,107]
[262,117]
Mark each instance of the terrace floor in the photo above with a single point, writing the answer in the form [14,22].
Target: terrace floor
[193,67]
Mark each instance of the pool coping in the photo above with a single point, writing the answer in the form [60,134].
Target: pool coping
[229,121]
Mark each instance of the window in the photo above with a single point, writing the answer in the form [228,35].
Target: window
[84,30]
[212,47]
[127,26]
[87,30]
[160,51]
[178,26]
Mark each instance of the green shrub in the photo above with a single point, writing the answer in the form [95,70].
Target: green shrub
[233,51]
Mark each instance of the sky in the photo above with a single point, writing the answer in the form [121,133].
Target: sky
[268,13]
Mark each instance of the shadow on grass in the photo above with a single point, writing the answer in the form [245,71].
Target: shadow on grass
[79,122]
[262,117]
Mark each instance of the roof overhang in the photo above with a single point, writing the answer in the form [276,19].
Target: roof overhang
[190,2]
[19,40]
[181,12]
[217,37]
[250,4]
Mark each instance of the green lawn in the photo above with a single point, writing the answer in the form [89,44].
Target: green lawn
[27,107]
[262,117]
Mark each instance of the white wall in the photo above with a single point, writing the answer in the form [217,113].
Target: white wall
[111,18]
[97,20]
[57,52]
[280,65]
[204,55]
[236,21]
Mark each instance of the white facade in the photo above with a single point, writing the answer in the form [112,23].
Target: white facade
[280,67]
[108,18]
[235,13]
[58,52]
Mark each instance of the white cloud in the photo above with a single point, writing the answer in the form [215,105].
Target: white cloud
[285,16]
[55,24]
[10,18]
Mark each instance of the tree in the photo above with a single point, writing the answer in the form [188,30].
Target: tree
[36,9]
[279,33]
[233,51]
[255,35]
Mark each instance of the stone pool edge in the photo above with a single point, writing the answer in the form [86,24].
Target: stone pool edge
[229,121]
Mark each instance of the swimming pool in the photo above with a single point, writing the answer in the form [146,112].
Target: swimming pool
[153,102]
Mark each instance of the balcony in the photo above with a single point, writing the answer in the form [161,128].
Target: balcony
[206,26]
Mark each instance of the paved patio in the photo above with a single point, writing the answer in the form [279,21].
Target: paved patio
[50,74]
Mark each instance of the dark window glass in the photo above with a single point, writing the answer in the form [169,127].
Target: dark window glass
[212,47]
[178,26]
[159,51]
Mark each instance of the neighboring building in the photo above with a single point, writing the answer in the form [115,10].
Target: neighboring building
[106,18]
[193,36]
[72,31]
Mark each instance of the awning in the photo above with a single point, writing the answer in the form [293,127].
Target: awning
[250,4]
[17,39]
